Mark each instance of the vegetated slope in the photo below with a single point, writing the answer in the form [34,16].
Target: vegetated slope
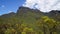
[30,21]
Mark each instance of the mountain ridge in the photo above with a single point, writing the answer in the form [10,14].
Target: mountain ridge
[25,9]
[22,11]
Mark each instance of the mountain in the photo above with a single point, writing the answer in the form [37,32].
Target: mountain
[31,15]
[25,10]
[8,15]
[54,14]
[30,21]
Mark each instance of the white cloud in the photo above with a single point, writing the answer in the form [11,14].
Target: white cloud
[43,5]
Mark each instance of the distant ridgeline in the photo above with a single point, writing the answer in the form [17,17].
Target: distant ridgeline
[30,21]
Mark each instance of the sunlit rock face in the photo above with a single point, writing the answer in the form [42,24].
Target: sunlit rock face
[43,5]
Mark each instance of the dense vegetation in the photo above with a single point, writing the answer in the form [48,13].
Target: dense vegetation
[29,21]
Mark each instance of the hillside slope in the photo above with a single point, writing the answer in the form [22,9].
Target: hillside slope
[30,21]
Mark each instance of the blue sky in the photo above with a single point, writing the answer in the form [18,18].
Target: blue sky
[7,6]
